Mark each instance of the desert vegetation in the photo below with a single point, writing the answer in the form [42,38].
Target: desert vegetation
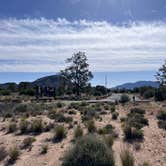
[77,132]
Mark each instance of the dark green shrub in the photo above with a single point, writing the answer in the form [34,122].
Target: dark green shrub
[161,115]
[89,151]
[132,134]
[14,153]
[3,153]
[78,132]
[127,158]
[137,110]
[162,124]
[72,112]
[59,105]
[124,99]
[149,93]
[91,126]
[5,92]
[115,115]
[60,133]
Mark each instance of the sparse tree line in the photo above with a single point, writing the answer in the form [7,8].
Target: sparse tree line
[75,82]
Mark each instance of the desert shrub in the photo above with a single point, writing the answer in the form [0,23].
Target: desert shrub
[137,110]
[89,151]
[27,142]
[59,105]
[74,106]
[14,153]
[36,126]
[5,92]
[3,153]
[127,158]
[91,126]
[162,124]
[136,118]
[149,93]
[115,115]
[161,115]
[78,132]
[21,108]
[23,126]
[12,127]
[28,92]
[72,112]
[60,133]
[124,99]
[132,134]
[113,109]
[109,140]
[44,149]
[68,119]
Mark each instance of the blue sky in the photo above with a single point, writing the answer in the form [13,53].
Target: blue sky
[117,35]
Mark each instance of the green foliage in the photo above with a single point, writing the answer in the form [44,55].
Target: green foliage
[115,115]
[89,151]
[5,92]
[78,132]
[127,158]
[160,93]
[78,72]
[136,118]
[28,92]
[14,153]
[124,99]
[36,126]
[23,125]
[91,126]
[60,133]
[131,134]
[161,115]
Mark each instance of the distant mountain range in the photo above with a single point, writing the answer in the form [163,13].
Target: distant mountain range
[137,85]
[54,80]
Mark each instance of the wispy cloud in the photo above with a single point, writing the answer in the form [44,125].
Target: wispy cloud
[41,45]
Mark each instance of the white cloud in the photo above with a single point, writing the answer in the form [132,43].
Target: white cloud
[35,45]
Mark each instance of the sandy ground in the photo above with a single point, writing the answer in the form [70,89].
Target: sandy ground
[153,148]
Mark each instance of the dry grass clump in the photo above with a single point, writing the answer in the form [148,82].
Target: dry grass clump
[78,132]
[127,158]
[14,153]
[60,133]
